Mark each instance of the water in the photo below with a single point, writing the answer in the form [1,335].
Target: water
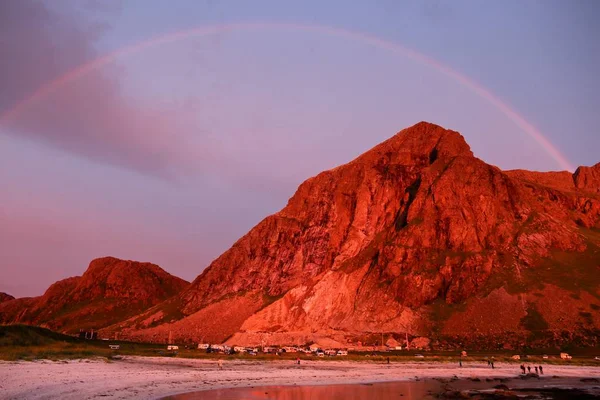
[391,390]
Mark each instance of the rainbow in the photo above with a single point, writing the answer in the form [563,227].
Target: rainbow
[83,69]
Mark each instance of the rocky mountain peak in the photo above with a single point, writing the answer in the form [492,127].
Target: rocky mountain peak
[418,145]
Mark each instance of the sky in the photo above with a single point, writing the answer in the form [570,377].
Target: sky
[163,131]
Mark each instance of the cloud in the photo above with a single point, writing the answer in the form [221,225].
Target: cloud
[91,116]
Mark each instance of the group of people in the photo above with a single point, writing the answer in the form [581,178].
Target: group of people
[538,370]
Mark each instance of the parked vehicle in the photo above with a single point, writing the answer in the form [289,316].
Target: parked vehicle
[419,356]
[342,353]
[289,350]
[320,353]
[114,346]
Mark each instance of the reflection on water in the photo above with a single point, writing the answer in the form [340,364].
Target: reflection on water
[391,390]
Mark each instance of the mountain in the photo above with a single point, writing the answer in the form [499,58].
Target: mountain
[109,291]
[414,237]
[5,297]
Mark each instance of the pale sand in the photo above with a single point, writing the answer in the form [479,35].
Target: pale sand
[152,377]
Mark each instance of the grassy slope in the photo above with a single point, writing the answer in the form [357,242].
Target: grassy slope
[23,342]
[571,271]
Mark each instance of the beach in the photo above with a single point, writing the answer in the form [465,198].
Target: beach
[135,377]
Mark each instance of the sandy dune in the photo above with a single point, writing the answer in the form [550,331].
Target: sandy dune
[144,377]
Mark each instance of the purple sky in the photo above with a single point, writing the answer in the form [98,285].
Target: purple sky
[170,153]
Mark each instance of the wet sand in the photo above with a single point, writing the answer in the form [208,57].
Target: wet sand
[421,390]
[156,377]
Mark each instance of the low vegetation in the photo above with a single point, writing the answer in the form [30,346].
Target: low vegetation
[21,342]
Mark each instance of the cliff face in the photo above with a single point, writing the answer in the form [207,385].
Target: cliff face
[109,291]
[416,235]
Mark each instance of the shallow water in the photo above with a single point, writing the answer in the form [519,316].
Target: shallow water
[427,389]
[390,390]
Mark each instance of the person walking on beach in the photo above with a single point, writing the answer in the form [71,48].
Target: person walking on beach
[460,362]
[491,362]
[523,368]
[298,360]
[541,370]
[220,362]
[529,369]
[536,370]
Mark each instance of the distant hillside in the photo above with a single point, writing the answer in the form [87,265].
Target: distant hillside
[24,335]
[109,291]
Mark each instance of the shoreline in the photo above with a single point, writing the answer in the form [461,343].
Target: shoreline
[159,377]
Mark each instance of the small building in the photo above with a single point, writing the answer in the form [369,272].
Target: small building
[239,349]
[565,356]
[172,347]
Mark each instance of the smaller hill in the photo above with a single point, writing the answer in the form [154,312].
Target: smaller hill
[111,290]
